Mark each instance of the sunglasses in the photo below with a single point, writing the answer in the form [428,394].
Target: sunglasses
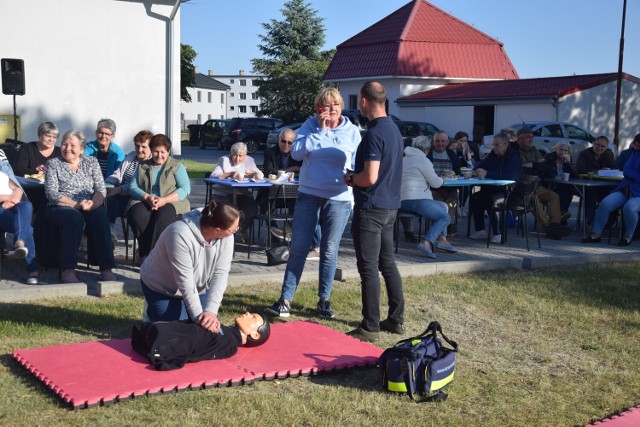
[284,141]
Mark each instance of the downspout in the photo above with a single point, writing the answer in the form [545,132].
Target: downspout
[170,77]
[556,105]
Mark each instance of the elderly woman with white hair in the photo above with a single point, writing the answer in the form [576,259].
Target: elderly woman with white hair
[418,177]
[559,161]
[238,165]
[75,192]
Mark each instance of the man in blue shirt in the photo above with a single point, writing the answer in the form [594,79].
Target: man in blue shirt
[376,189]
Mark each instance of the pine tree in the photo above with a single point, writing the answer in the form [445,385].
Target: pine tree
[187,71]
[293,62]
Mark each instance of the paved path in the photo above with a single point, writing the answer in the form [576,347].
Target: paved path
[473,256]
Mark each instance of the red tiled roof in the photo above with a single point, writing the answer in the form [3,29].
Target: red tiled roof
[421,40]
[521,88]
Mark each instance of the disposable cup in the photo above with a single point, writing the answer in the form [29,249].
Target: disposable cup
[565,176]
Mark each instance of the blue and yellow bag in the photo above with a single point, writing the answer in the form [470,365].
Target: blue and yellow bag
[420,365]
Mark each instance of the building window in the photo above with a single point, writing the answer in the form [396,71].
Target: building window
[254,82]
[254,95]
[243,95]
[199,118]
[231,95]
[254,109]
[209,98]
[231,108]
[231,81]
[222,98]
[353,102]
[242,108]
[243,82]
[199,96]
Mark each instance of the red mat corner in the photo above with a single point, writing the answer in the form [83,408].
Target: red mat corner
[93,373]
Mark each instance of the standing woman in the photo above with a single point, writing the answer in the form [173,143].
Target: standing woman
[75,193]
[162,185]
[326,144]
[186,273]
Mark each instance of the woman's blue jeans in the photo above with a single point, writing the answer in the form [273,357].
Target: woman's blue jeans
[17,220]
[332,216]
[161,307]
[435,211]
[616,200]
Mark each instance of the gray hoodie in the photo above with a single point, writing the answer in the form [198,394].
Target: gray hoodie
[183,264]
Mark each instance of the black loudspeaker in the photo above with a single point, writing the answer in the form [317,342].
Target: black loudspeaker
[12,76]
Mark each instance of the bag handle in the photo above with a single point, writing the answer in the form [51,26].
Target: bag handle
[433,329]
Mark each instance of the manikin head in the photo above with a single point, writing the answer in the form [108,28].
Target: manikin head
[254,329]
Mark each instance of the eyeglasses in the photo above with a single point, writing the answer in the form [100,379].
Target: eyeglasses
[284,141]
[104,133]
[233,230]
[329,106]
[600,146]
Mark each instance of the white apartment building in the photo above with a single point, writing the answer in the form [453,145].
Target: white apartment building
[243,100]
[208,101]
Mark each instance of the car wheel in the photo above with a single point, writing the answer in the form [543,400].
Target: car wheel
[252,146]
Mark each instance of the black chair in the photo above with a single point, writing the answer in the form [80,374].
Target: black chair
[280,198]
[519,201]
[411,215]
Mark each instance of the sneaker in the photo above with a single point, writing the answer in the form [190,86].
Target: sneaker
[496,238]
[280,309]
[18,253]
[364,335]
[479,235]
[282,233]
[32,280]
[324,309]
[314,255]
[391,326]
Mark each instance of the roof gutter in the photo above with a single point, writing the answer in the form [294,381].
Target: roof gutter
[170,74]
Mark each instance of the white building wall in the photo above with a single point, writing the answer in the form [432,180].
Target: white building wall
[509,114]
[205,110]
[234,95]
[87,60]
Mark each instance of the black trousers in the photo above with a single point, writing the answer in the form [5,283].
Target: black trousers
[149,224]
[372,231]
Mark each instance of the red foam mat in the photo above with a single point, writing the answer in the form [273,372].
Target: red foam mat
[93,373]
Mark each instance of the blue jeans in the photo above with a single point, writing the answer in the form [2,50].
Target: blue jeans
[373,241]
[616,200]
[332,216]
[17,220]
[161,307]
[435,211]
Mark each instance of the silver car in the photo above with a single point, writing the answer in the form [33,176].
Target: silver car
[272,138]
[547,134]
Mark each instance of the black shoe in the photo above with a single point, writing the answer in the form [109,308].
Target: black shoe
[391,326]
[279,308]
[364,335]
[410,237]
[452,230]
[591,239]
[623,242]
[324,309]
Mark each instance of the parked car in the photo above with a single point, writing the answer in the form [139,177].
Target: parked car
[356,117]
[548,134]
[253,131]
[411,130]
[272,138]
[211,132]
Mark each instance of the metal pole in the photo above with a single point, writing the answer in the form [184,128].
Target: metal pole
[15,119]
[616,139]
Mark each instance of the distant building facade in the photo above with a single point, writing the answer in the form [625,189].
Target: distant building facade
[208,101]
[242,100]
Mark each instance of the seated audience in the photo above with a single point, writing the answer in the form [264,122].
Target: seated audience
[626,154]
[418,177]
[159,191]
[445,163]
[236,165]
[15,217]
[559,162]
[119,195]
[593,159]
[625,196]
[75,193]
[31,158]
[501,163]
[467,151]
[108,153]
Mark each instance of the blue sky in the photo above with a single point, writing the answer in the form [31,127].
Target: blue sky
[542,38]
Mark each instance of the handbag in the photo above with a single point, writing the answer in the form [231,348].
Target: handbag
[420,365]
[277,255]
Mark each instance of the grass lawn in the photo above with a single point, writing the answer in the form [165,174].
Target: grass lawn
[197,169]
[544,348]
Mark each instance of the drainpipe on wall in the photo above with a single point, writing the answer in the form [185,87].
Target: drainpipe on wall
[170,92]
[556,105]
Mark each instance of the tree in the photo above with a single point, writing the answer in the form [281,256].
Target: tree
[293,64]
[187,71]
